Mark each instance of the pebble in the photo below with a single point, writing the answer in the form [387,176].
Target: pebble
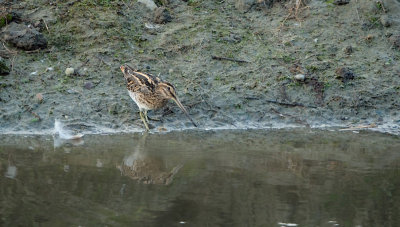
[69,71]
[39,97]
[348,50]
[162,16]
[88,85]
[344,74]
[300,77]
[149,4]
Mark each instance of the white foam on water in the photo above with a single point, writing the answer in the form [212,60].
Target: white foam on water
[61,132]
[64,133]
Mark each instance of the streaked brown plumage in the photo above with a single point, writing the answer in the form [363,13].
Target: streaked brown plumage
[149,92]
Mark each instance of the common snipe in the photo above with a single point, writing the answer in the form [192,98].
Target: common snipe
[149,92]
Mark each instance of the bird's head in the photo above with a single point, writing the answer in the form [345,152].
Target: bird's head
[168,91]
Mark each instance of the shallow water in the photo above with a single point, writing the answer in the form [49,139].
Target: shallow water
[211,178]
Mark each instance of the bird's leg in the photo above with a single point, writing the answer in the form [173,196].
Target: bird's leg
[150,118]
[144,120]
[145,115]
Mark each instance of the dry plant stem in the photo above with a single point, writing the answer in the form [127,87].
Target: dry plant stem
[10,51]
[383,8]
[29,109]
[358,15]
[229,59]
[12,63]
[47,27]
[296,119]
[289,104]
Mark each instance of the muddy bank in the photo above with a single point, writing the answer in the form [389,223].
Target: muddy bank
[316,64]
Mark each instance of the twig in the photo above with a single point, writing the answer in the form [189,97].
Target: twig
[229,59]
[10,51]
[29,109]
[45,24]
[359,127]
[12,63]
[102,61]
[296,119]
[358,15]
[381,4]
[289,104]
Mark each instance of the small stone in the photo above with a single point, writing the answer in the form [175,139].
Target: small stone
[348,50]
[88,85]
[39,97]
[69,71]
[385,21]
[162,16]
[300,77]
[149,4]
[344,74]
[244,5]
[341,2]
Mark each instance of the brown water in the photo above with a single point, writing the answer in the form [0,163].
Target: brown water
[215,178]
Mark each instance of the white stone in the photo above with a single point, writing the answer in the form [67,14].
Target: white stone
[69,71]
[149,4]
[300,77]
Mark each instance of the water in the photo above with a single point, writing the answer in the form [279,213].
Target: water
[214,178]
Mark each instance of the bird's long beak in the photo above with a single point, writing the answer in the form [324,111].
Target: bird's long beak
[184,110]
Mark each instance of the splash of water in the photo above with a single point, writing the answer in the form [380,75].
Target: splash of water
[64,133]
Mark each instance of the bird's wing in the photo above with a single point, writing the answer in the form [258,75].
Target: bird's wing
[138,81]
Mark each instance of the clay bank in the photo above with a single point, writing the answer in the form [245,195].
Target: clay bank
[234,63]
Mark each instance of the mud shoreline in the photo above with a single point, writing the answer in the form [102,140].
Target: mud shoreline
[348,55]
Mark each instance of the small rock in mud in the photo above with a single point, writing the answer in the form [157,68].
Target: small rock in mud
[69,71]
[232,38]
[244,5]
[348,50]
[341,2]
[300,77]
[149,4]
[24,37]
[39,97]
[4,70]
[395,41]
[162,16]
[88,85]
[385,21]
[344,74]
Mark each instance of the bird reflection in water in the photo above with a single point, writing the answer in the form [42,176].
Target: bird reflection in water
[145,168]
[11,168]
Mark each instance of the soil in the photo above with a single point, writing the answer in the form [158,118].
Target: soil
[234,64]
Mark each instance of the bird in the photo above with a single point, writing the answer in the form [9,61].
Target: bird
[150,92]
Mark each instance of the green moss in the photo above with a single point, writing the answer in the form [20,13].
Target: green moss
[5,19]
[288,59]
[312,68]
[4,68]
